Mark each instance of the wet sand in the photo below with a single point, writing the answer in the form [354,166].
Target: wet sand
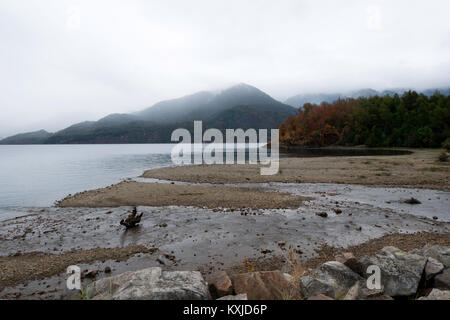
[418,170]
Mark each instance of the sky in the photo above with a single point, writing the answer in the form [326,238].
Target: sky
[65,61]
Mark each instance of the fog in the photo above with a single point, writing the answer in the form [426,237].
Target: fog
[64,61]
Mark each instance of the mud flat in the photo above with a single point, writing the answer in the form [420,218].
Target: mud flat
[37,246]
[417,170]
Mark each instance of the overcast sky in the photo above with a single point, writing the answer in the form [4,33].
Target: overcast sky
[65,61]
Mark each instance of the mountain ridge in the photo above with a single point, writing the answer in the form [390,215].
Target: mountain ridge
[234,107]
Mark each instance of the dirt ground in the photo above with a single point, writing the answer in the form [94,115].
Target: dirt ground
[419,170]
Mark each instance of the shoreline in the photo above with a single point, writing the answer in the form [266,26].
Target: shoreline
[218,226]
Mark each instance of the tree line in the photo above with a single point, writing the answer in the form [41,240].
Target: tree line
[409,120]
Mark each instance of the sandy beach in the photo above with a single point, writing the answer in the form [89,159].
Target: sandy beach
[417,170]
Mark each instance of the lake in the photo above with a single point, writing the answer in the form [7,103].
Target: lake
[38,175]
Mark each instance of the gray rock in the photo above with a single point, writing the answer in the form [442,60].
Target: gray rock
[152,284]
[400,271]
[242,296]
[432,268]
[442,281]
[310,286]
[354,292]
[440,253]
[360,292]
[437,294]
[341,277]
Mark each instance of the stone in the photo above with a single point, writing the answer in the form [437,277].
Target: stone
[440,253]
[264,285]
[400,271]
[151,284]
[348,259]
[322,214]
[310,286]
[437,294]
[107,270]
[220,285]
[89,274]
[320,297]
[442,281]
[353,293]
[288,277]
[360,292]
[432,268]
[341,277]
[242,296]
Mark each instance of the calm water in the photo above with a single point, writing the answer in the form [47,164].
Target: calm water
[38,175]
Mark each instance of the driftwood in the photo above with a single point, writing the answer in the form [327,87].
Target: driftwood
[132,220]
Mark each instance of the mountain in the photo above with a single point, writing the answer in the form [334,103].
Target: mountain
[36,137]
[300,99]
[241,106]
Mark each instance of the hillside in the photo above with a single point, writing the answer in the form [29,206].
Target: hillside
[241,106]
[300,99]
[36,137]
[409,120]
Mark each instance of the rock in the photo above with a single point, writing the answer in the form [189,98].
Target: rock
[107,270]
[432,268]
[348,259]
[437,294]
[89,274]
[440,253]
[242,296]
[442,281]
[220,285]
[360,292]
[412,201]
[322,214]
[353,293]
[152,284]
[288,277]
[320,297]
[400,271]
[263,285]
[337,211]
[310,286]
[341,277]
[380,297]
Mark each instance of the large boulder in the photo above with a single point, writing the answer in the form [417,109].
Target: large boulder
[220,285]
[152,284]
[264,285]
[341,277]
[310,286]
[400,271]
[437,294]
[348,259]
[442,281]
[432,268]
[440,253]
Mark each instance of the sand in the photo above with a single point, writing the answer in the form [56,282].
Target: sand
[132,193]
[418,170]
